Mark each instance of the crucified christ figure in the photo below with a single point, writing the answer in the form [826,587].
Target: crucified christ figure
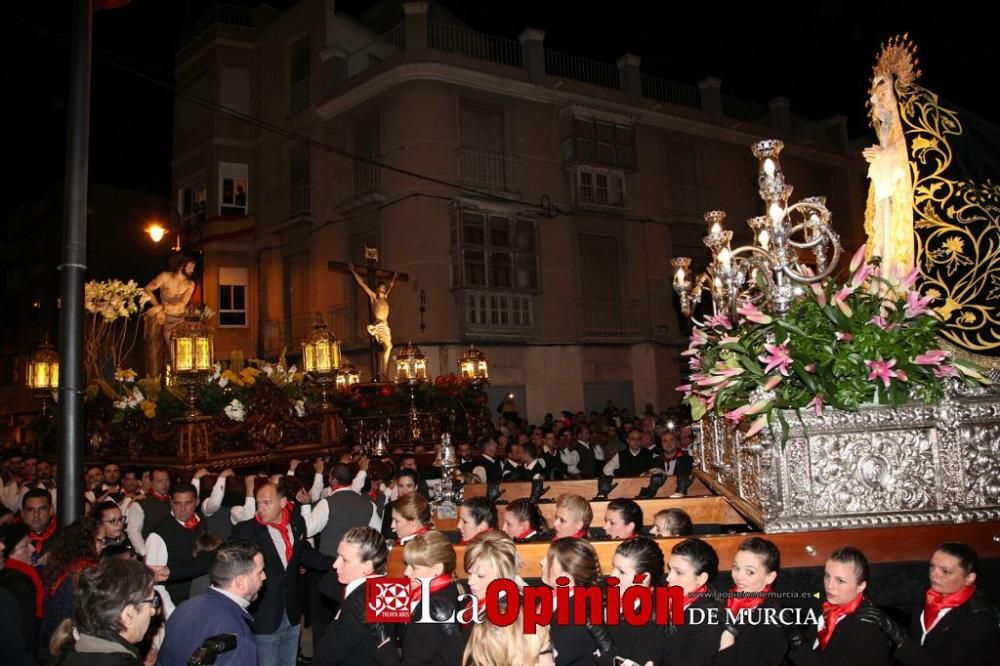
[380,311]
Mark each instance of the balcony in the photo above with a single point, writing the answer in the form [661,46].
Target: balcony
[357,184]
[298,201]
[375,52]
[219,15]
[686,201]
[298,96]
[607,319]
[496,314]
[478,45]
[486,170]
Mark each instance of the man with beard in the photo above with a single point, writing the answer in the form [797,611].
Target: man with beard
[176,288]
[237,574]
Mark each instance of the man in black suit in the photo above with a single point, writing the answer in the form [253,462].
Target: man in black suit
[281,535]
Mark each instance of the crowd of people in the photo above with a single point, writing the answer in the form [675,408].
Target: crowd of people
[161,567]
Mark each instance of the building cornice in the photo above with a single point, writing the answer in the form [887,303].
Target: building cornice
[491,83]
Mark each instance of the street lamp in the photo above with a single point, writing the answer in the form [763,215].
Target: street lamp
[42,376]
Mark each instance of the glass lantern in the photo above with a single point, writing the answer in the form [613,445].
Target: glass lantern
[42,375]
[473,366]
[321,350]
[411,365]
[348,376]
[192,356]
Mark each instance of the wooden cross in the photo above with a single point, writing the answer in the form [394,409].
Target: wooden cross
[372,275]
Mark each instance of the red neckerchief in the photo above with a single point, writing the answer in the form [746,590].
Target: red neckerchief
[581,534]
[373,494]
[437,583]
[282,527]
[338,486]
[832,614]
[39,539]
[191,522]
[937,602]
[71,570]
[159,498]
[526,534]
[737,602]
[30,572]
[694,595]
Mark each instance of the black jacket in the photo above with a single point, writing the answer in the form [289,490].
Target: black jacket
[691,643]
[640,643]
[575,644]
[755,644]
[90,651]
[282,590]
[435,644]
[854,643]
[966,636]
[588,462]
[348,640]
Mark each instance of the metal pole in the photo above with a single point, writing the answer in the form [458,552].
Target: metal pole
[74,254]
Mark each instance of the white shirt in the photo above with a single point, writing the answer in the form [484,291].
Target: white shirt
[356,485]
[236,599]
[571,459]
[316,517]
[355,584]
[135,519]
[480,471]
[279,542]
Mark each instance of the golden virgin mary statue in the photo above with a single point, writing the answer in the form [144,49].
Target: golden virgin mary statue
[934,201]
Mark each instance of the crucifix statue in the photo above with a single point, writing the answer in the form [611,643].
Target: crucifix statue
[373,282]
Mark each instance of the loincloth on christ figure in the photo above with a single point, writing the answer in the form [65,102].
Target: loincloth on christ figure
[380,331]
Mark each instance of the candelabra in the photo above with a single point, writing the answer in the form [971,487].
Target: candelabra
[446,460]
[770,271]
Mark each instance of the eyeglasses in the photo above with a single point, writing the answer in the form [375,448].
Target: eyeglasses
[153,601]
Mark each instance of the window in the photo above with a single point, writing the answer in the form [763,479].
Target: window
[234,89]
[233,188]
[232,297]
[494,250]
[600,141]
[600,187]
[298,80]
[191,203]
[483,161]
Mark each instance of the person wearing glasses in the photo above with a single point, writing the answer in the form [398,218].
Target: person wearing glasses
[110,516]
[114,604]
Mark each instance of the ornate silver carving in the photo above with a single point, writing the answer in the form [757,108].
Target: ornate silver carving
[881,465]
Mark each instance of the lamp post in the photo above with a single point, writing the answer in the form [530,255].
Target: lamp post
[321,358]
[42,375]
[192,356]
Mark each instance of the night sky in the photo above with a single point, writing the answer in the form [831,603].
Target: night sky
[818,54]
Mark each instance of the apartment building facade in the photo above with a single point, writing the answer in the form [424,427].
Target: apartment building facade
[533,198]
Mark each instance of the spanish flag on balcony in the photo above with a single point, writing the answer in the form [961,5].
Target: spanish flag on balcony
[228,228]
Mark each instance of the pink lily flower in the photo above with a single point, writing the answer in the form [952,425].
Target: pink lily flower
[942,371]
[861,275]
[843,336]
[881,322]
[931,357]
[916,304]
[817,404]
[772,382]
[882,370]
[859,256]
[901,375]
[737,414]
[757,425]
[911,279]
[751,312]
[719,321]
[841,300]
[728,339]
[777,357]
[684,388]
[811,368]
[820,293]
[694,363]
[723,371]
